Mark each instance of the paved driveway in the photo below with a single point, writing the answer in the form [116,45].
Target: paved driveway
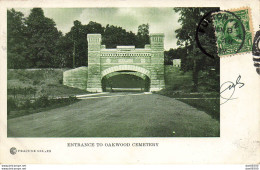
[117,115]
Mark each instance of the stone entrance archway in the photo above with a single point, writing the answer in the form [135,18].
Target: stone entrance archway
[148,61]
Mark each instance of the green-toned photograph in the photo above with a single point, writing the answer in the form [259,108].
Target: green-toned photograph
[112,72]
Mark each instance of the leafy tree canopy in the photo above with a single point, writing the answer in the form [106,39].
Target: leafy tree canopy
[194,59]
[36,42]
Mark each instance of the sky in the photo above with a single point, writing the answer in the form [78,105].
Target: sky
[160,20]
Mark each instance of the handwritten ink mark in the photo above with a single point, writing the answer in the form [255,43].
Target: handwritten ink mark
[228,89]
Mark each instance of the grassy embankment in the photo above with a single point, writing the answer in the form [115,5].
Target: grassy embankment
[35,90]
[179,85]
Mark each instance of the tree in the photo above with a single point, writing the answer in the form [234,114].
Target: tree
[78,40]
[16,40]
[76,37]
[42,38]
[189,19]
[114,36]
[35,42]
[142,35]
[63,52]
[178,53]
[94,27]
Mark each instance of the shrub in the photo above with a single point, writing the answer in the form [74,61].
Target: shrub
[42,101]
[209,81]
[60,81]
[36,82]
[11,105]
[27,104]
[72,98]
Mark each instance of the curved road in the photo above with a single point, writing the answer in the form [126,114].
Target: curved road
[117,115]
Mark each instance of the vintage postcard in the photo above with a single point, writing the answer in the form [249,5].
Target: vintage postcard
[130,82]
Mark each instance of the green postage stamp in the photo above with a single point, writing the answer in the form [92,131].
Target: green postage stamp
[233,31]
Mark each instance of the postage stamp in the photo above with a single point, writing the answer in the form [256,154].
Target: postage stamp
[233,30]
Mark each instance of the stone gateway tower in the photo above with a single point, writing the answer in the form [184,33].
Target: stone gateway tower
[146,63]
[94,63]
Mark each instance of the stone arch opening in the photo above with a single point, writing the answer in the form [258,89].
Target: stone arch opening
[125,80]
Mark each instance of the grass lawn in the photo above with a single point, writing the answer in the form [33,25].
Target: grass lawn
[43,83]
[46,82]
[40,106]
[179,85]
[209,103]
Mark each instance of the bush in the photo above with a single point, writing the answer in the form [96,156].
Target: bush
[209,81]
[36,82]
[72,99]
[43,101]
[27,104]
[60,81]
[11,105]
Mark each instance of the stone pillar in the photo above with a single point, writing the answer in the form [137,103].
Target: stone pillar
[94,73]
[157,62]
